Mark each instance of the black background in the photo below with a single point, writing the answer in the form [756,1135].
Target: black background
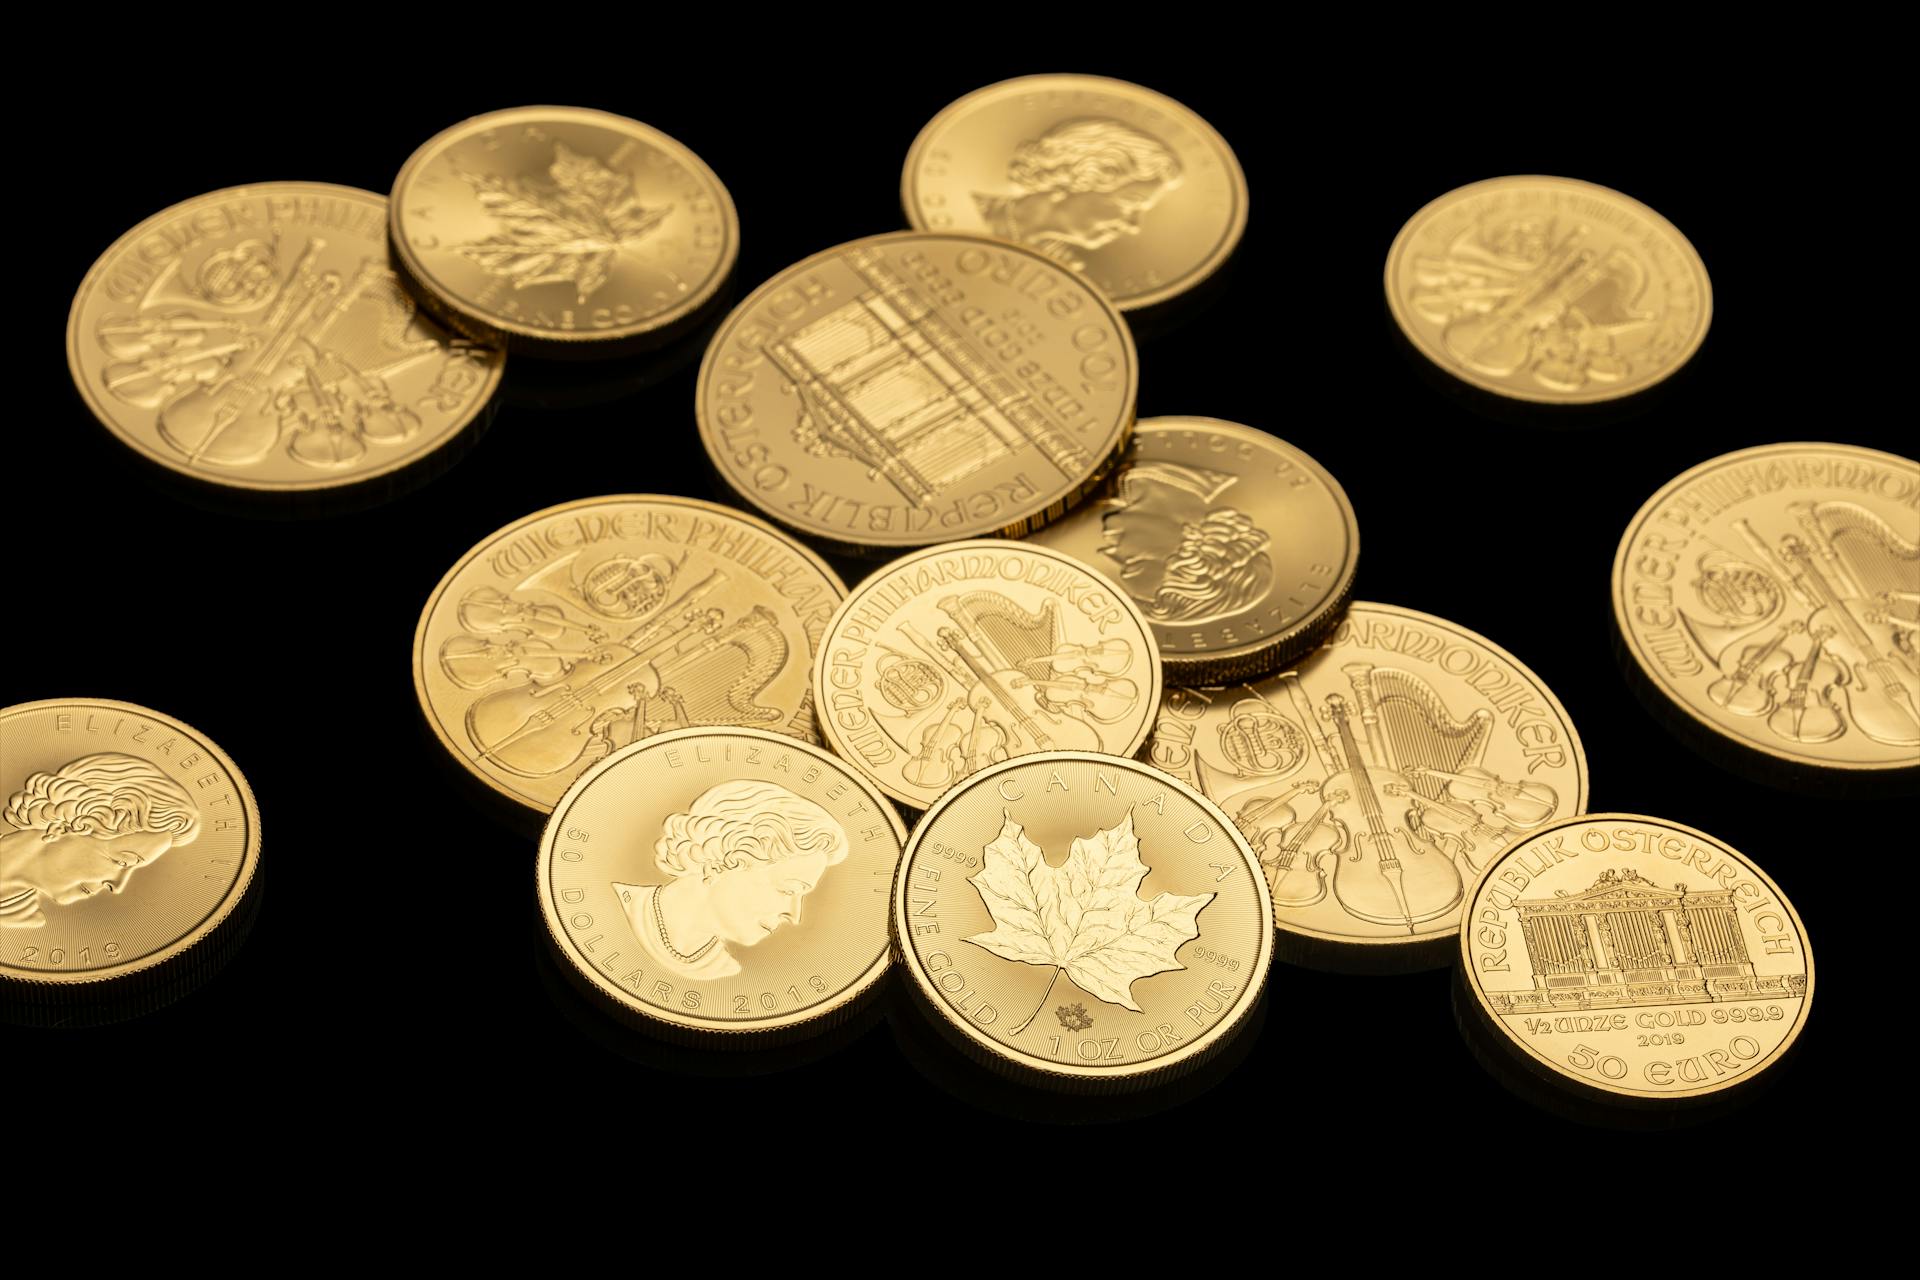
[391,995]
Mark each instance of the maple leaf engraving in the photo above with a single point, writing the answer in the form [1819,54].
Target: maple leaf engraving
[1074,1017]
[564,233]
[1085,918]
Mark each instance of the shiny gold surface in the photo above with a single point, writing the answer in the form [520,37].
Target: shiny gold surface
[582,628]
[1237,546]
[256,338]
[963,655]
[1548,289]
[912,388]
[725,885]
[1635,958]
[1773,596]
[127,839]
[1104,177]
[561,230]
[1082,922]
[1377,778]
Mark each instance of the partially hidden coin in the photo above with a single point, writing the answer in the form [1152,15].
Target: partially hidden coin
[585,627]
[1238,547]
[914,388]
[129,847]
[1107,178]
[1771,596]
[1631,960]
[1082,922]
[560,231]
[257,339]
[724,887]
[1549,290]
[964,655]
[1377,778]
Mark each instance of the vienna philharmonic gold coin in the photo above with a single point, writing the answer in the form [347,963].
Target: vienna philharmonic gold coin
[562,231]
[1082,922]
[1377,779]
[128,845]
[1548,289]
[1634,959]
[909,389]
[1104,177]
[1238,547]
[582,628]
[256,338]
[963,655]
[724,886]
[1772,596]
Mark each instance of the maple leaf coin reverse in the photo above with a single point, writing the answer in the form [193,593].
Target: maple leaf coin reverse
[1082,922]
[560,231]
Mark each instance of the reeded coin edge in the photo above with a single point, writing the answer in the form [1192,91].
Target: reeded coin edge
[351,480]
[1556,1074]
[918,804]
[1420,343]
[45,983]
[472,553]
[1035,517]
[1868,768]
[1020,1065]
[668,1023]
[1236,176]
[529,338]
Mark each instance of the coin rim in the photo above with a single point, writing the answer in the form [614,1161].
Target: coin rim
[800,1022]
[1672,697]
[347,481]
[1050,507]
[209,923]
[504,331]
[820,683]
[1420,343]
[1005,1057]
[1558,1074]
[472,553]
[1236,176]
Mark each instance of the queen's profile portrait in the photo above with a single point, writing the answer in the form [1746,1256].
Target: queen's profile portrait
[739,861]
[1083,183]
[1180,553]
[84,829]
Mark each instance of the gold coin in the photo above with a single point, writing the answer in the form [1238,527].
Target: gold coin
[960,656]
[1104,177]
[584,627]
[1635,958]
[1083,922]
[1377,778]
[127,842]
[1548,289]
[1237,546]
[1772,595]
[562,231]
[256,338]
[912,388]
[726,886]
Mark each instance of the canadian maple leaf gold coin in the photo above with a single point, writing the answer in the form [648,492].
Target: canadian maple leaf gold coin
[916,388]
[723,887]
[562,231]
[1376,778]
[1634,961]
[1238,547]
[129,847]
[258,339]
[1115,181]
[1549,290]
[1082,922]
[1771,598]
